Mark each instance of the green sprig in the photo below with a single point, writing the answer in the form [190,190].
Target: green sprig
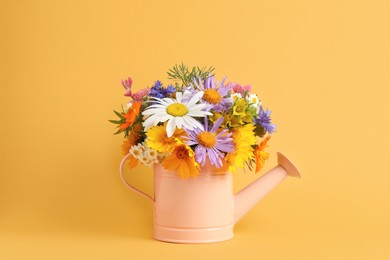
[186,76]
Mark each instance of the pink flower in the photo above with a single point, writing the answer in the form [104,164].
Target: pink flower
[139,95]
[127,85]
[237,88]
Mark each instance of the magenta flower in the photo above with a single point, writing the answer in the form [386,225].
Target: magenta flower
[139,95]
[237,88]
[210,143]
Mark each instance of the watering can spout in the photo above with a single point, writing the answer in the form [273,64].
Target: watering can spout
[248,197]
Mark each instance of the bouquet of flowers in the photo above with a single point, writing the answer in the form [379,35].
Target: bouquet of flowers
[194,122]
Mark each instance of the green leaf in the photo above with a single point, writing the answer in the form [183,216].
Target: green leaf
[118,132]
[115,121]
[118,114]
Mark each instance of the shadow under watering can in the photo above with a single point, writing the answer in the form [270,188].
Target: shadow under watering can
[204,209]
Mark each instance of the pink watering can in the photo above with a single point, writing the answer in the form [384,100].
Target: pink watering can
[204,209]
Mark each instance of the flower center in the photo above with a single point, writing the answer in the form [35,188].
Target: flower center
[181,152]
[207,139]
[212,96]
[177,109]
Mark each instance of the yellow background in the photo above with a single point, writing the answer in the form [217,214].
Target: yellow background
[323,67]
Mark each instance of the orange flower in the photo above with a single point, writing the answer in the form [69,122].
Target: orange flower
[131,115]
[182,161]
[128,143]
[260,154]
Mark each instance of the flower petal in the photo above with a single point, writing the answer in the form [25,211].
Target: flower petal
[171,127]
[217,124]
[179,122]
[179,96]
[200,154]
[183,169]
[187,124]
[169,100]
[154,111]
[195,122]
[195,98]
[149,121]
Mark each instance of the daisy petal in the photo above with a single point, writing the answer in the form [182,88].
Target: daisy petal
[195,123]
[179,96]
[195,98]
[164,118]
[168,100]
[171,127]
[179,122]
[148,123]
[153,111]
[188,123]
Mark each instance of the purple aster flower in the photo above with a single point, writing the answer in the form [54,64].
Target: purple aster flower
[159,91]
[210,143]
[264,120]
[216,94]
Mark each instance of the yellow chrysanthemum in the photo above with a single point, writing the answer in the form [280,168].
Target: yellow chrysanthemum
[182,161]
[244,138]
[159,140]
[260,155]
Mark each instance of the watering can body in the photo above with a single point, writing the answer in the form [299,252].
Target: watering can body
[204,209]
[195,210]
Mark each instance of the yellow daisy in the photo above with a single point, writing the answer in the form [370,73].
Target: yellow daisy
[244,138]
[159,140]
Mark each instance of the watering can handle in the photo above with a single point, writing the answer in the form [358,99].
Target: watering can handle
[127,184]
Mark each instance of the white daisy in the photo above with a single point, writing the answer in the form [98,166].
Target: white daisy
[235,96]
[144,154]
[153,155]
[253,100]
[178,112]
[136,151]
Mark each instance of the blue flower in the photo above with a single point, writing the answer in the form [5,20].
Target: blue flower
[155,91]
[159,91]
[170,89]
[264,120]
